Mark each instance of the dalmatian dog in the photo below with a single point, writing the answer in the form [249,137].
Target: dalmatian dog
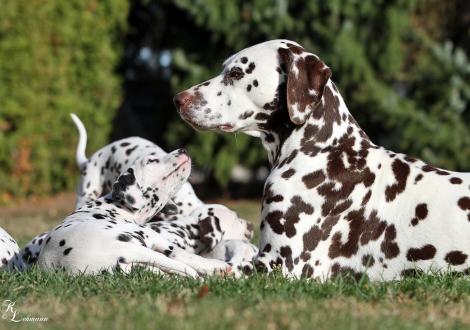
[109,232]
[100,170]
[334,202]
[9,253]
[212,231]
[30,252]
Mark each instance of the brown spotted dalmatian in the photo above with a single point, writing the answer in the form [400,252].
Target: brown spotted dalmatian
[100,170]
[334,202]
[9,253]
[109,232]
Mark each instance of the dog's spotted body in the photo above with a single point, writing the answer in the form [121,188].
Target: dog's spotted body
[334,201]
[212,231]
[109,232]
[10,258]
[99,172]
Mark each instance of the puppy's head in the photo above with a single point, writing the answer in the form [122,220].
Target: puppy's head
[217,223]
[150,182]
[127,190]
[260,89]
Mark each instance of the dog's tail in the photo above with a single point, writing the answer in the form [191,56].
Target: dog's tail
[80,156]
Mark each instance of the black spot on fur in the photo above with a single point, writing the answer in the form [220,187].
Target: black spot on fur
[124,238]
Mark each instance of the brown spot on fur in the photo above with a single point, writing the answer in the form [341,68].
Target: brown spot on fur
[287,174]
[307,271]
[286,253]
[251,68]
[291,217]
[368,260]
[424,253]
[345,272]
[455,180]
[418,177]
[421,212]
[401,171]
[464,203]
[366,198]
[456,258]
[269,195]
[289,158]
[388,246]
[313,179]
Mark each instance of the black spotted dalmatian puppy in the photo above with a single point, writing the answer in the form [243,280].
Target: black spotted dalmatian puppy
[30,252]
[109,232]
[9,253]
[212,231]
[334,201]
[99,172]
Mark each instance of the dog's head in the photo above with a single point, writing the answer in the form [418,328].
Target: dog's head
[217,223]
[259,89]
[150,182]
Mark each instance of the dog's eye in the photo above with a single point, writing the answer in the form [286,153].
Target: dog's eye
[152,161]
[235,73]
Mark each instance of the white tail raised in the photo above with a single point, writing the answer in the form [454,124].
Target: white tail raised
[80,156]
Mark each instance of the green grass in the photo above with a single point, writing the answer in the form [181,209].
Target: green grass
[142,300]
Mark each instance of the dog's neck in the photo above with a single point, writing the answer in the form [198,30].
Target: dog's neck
[329,124]
[120,210]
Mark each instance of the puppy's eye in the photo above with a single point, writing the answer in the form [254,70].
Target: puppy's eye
[235,73]
[152,161]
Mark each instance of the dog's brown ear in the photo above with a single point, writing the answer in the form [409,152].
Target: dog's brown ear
[127,190]
[209,231]
[306,80]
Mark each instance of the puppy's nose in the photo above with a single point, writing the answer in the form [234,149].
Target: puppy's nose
[182,151]
[181,99]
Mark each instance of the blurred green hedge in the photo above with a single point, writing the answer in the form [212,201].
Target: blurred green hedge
[401,76]
[406,84]
[56,57]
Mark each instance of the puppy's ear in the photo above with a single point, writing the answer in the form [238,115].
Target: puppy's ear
[306,80]
[170,208]
[209,231]
[127,190]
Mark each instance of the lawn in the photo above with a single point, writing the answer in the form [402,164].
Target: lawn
[142,300]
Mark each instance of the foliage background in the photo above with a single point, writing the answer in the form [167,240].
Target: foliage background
[401,66]
[56,57]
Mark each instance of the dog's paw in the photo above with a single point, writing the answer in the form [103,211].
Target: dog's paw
[216,267]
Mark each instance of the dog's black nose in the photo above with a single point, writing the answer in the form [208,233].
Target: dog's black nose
[182,151]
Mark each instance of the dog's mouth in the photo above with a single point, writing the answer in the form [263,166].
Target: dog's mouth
[224,127]
[178,168]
